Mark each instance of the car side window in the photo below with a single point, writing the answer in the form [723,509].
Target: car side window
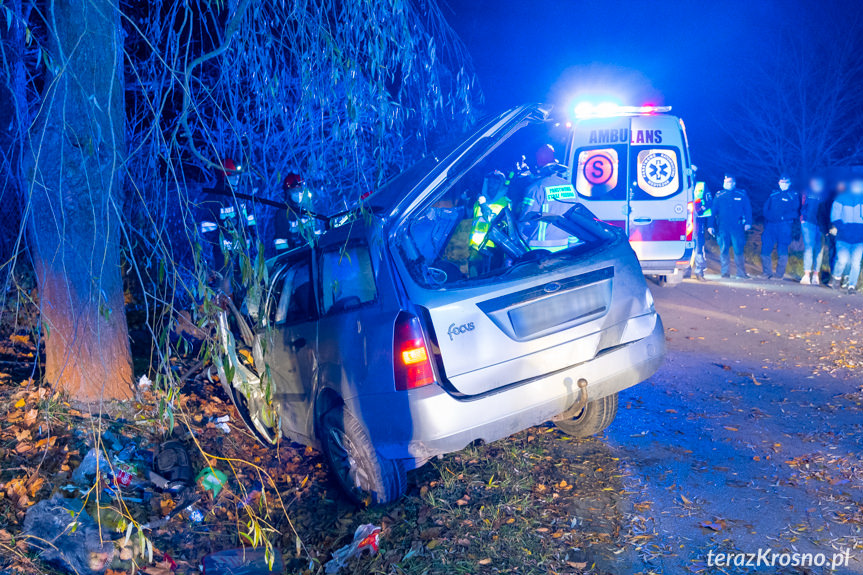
[295,301]
[347,278]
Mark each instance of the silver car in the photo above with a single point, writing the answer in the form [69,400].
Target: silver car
[443,314]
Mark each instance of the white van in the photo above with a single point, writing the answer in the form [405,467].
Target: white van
[631,168]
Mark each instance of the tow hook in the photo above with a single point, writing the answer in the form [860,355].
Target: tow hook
[579,404]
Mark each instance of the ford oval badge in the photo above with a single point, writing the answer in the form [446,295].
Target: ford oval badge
[551,288]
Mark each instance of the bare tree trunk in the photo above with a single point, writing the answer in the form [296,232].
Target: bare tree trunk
[73,170]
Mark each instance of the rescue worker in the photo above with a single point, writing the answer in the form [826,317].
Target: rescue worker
[781,209]
[703,222]
[813,226]
[218,218]
[517,181]
[550,194]
[846,224]
[732,213]
[490,203]
[286,228]
[302,204]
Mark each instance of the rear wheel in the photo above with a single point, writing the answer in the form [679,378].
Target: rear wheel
[362,473]
[595,417]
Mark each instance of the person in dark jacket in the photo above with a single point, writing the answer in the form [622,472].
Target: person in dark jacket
[813,226]
[550,194]
[781,209]
[732,212]
[846,223]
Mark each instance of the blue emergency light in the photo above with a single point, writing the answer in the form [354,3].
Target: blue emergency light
[608,109]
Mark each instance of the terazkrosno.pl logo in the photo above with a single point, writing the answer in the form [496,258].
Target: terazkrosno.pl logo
[769,558]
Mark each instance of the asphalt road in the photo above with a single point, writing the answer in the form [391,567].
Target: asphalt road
[750,436]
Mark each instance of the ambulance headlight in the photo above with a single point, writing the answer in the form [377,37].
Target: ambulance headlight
[648,299]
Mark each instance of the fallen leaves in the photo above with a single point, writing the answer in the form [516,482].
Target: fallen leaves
[21,490]
[716,525]
[30,416]
[161,568]
[20,339]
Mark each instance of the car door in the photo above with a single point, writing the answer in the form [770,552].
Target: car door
[350,316]
[292,344]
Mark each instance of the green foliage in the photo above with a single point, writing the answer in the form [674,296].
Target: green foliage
[345,93]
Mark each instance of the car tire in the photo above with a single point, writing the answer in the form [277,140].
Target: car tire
[361,472]
[595,417]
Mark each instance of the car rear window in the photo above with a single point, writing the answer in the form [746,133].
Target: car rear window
[502,205]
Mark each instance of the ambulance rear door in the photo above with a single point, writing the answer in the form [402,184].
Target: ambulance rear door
[659,188]
[599,159]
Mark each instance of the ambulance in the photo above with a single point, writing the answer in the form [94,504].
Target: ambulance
[631,168]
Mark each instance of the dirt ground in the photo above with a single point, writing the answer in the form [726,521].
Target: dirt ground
[748,438]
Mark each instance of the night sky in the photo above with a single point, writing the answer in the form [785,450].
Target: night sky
[692,55]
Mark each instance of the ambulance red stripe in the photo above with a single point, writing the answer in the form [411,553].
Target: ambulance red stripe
[658,231]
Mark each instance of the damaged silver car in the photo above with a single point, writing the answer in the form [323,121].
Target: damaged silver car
[472,299]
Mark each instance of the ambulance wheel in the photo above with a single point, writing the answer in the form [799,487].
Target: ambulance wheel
[595,417]
[361,472]
[669,280]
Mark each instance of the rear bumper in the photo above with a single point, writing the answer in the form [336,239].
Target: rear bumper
[666,267]
[431,422]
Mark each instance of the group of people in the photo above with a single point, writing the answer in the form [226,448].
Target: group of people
[827,220]
[230,218]
[529,192]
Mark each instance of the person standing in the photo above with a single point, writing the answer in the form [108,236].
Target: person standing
[732,212]
[218,224]
[286,227]
[703,223]
[813,226]
[780,210]
[846,224]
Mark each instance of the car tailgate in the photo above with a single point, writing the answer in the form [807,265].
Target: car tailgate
[515,331]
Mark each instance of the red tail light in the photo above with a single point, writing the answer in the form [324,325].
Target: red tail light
[690,220]
[411,361]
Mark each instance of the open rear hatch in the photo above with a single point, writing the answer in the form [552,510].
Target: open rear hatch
[505,310]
